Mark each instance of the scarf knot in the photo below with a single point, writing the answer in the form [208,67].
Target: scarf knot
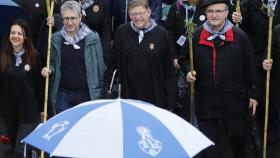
[141,32]
[18,56]
[85,5]
[186,6]
[214,34]
[82,33]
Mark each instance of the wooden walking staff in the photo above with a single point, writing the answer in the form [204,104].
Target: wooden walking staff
[190,30]
[50,7]
[190,26]
[237,10]
[270,16]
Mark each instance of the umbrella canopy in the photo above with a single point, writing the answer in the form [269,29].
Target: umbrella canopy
[9,12]
[120,129]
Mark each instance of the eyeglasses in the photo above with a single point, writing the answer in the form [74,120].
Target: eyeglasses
[217,12]
[134,15]
[66,19]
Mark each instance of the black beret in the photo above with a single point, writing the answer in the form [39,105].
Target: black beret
[209,2]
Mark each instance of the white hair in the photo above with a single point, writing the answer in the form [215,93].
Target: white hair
[71,5]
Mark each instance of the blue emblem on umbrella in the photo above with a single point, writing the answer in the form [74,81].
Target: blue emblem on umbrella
[56,129]
[147,143]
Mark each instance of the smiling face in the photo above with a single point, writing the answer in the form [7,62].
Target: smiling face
[16,37]
[140,15]
[216,15]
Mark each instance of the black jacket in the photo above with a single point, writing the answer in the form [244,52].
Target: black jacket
[145,70]
[175,24]
[22,91]
[255,24]
[275,72]
[225,79]
[98,18]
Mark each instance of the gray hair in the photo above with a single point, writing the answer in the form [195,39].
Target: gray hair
[71,5]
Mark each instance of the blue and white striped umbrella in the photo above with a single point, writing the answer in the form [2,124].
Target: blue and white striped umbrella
[118,129]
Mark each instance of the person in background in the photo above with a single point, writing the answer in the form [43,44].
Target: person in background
[120,11]
[142,57]
[224,76]
[37,12]
[76,65]
[255,24]
[273,64]
[21,85]
[175,24]
[96,14]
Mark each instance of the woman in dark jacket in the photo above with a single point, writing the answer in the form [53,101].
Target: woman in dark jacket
[20,84]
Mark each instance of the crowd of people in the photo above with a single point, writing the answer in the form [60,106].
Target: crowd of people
[146,43]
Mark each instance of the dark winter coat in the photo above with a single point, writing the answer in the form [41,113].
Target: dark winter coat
[22,91]
[225,77]
[145,70]
[275,72]
[255,24]
[98,18]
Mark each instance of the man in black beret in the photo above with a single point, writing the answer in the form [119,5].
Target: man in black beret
[225,81]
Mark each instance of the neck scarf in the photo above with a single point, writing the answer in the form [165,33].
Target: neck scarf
[187,9]
[18,56]
[82,33]
[85,5]
[186,6]
[272,3]
[228,25]
[142,31]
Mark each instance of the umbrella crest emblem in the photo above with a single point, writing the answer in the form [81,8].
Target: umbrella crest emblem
[56,129]
[147,143]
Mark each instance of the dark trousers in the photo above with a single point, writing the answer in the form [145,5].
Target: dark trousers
[18,131]
[226,134]
[69,98]
[183,109]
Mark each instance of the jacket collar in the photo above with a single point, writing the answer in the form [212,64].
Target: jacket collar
[205,34]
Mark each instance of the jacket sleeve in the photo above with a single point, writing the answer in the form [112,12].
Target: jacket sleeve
[171,28]
[39,81]
[52,57]
[170,84]
[275,71]
[253,82]
[106,34]
[112,63]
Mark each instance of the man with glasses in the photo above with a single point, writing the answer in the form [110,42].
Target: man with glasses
[77,65]
[142,57]
[120,11]
[225,81]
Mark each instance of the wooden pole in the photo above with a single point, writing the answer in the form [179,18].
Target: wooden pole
[237,10]
[270,15]
[190,30]
[50,7]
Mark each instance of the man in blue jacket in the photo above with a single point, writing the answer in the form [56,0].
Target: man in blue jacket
[77,64]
